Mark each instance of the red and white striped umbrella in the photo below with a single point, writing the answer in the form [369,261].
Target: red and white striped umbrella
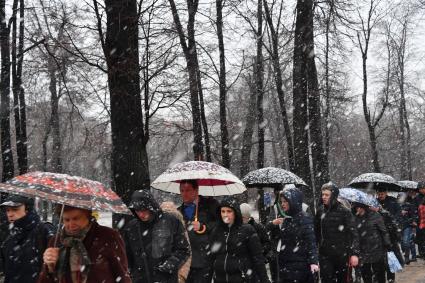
[213,179]
[65,189]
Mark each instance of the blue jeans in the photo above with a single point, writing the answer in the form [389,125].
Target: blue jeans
[407,239]
[413,244]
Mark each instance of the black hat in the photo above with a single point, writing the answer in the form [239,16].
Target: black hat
[421,185]
[17,200]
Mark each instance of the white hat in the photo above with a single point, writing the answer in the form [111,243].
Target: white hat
[245,210]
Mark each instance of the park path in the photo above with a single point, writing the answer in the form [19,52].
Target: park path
[412,273]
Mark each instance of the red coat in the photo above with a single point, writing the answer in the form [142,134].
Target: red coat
[106,250]
[421,214]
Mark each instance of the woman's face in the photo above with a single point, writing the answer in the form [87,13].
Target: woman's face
[285,204]
[228,215]
[75,220]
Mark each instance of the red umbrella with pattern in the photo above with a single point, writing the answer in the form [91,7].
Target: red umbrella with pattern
[65,189]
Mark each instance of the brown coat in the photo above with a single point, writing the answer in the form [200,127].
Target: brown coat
[107,254]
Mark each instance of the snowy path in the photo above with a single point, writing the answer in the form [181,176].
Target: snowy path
[413,273]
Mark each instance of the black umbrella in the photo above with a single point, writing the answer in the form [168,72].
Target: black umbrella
[408,185]
[271,177]
[375,181]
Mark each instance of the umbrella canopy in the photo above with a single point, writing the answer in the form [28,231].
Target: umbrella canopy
[408,185]
[375,181]
[67,190]
[354,195]
[213,179]
[272,177]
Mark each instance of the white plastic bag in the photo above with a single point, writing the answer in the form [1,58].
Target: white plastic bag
[393,263]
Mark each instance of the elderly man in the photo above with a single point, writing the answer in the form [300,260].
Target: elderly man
[87,252]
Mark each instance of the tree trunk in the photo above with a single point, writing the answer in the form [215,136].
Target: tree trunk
[130,169]
[259,82]
[225,151]
[202,109]
[279,87]
[54,117]
[249,128]
[189,50]
[6,145]
[300,113]
[320,163]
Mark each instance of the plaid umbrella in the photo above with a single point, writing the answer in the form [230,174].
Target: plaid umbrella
[65,189]
[354,195]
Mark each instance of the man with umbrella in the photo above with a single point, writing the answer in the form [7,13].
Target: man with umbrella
[23,248]
[200,216]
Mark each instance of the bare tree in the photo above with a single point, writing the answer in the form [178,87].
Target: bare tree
[363,37]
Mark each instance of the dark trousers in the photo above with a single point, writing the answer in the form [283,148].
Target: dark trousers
[420,240]
[274,269]
[333,270]
[200,275]
[374,272]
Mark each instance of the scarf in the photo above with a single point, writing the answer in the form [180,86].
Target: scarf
[73,257]
[189,211]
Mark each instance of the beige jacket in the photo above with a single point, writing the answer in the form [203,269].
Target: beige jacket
[171,208]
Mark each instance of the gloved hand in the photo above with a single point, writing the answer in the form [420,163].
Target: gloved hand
[314,268]
[166,267]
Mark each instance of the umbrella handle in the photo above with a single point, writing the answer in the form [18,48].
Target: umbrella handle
[59,225]
[204,228]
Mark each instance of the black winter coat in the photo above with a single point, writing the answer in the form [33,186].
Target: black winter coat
[264,237]
[199,241]
[236,252]
[298,242]
[391,205]
[410,215]
[374,238]
[155,250]
[22,251]
[336,231]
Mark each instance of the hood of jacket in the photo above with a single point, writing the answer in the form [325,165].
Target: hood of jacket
[234,205]
[144,200]
[295,199]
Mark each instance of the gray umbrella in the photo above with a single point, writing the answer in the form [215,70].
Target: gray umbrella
[271,177]
[376,181]
[409,185]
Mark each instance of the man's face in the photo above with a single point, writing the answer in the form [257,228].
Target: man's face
[15,213]
[326,197]
[382,196]
[188,193]
[144,215]
[411,193]
[75,220]
[422,191]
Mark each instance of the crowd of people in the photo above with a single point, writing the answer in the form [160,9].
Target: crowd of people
[204,240]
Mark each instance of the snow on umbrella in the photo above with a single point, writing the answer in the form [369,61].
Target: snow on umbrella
[354,195]
[213,179]
[410,185]
[375,181]
[65,189]
[271,177]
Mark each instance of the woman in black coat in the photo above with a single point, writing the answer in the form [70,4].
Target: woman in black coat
[298,259]
[236,253]
[374,243]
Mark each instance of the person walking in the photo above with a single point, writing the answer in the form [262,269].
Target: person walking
[298,258]
[170,207]
[236,255]
[374,243]
[408,223]
[155,241]
[86,253]
[259,229]
[337,237]
[23,248]
[199,214]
